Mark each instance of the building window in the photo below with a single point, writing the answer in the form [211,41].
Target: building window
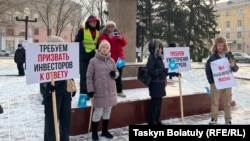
[227,24]
[9,32]
[36,31]
[22,34]
[9,18]
[227,13]
[228,35]
[10,45]
[240,11]
[36,41]
[238,46]
[239,23]
[238,35]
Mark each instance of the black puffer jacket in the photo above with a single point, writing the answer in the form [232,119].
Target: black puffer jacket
[156,70]
[19,56]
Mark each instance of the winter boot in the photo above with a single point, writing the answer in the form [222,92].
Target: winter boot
[213,122]
[95,131]
[105,131]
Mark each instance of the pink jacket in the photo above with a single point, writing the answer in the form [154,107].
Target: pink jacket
[100,82]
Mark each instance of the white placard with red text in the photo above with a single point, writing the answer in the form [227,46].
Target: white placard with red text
[181,57]
[222,74]
[42,59]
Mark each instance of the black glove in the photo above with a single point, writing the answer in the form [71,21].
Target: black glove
[170,75]
[173,74]
[91,94]
[52,88]
[112,73]
[73,94]
[176,74]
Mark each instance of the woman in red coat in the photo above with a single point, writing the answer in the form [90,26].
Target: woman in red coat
[117,42]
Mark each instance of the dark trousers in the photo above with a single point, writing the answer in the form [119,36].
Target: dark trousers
[119,81]
[20,69]
[63,103]
[154,110]
[83,72]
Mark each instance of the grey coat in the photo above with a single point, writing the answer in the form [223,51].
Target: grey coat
[100,82]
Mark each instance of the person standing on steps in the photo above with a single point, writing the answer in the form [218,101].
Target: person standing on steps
[117,42]
[101,76]
[87,37]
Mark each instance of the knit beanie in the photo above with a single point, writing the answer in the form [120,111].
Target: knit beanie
[103,42]
[53,38]
[110,23]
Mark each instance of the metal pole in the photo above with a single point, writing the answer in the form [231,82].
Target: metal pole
[26,27]
[243,44]
[26,20]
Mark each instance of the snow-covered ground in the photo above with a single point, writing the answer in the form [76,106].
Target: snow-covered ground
[23,117]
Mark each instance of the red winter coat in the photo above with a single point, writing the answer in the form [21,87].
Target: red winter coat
[116,44]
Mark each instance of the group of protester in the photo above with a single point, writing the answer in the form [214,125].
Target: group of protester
[100,79]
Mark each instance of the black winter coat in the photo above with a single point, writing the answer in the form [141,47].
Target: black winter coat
[19,56]
[156,70]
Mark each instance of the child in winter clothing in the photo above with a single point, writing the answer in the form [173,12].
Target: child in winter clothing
[101,75]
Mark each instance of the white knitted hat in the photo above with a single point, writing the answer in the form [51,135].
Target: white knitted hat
[110,23]
[103,42]
[53,38]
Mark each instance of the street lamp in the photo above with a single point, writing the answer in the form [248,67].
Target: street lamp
[216,31]
[26,20]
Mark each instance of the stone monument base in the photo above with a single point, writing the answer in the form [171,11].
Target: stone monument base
[136,112]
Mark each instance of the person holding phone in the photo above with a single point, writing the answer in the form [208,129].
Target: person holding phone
[220,50]
[117,42]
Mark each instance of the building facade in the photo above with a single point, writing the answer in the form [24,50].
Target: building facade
[13,31]
[234,24]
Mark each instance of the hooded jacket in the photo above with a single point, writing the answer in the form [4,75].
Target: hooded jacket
[156,70]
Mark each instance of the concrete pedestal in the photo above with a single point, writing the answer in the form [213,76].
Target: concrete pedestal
[123,13]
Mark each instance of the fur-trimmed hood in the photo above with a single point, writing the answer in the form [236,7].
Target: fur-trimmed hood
[154,46]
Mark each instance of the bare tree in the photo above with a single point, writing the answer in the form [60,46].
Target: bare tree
[9,8]
[56,14]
